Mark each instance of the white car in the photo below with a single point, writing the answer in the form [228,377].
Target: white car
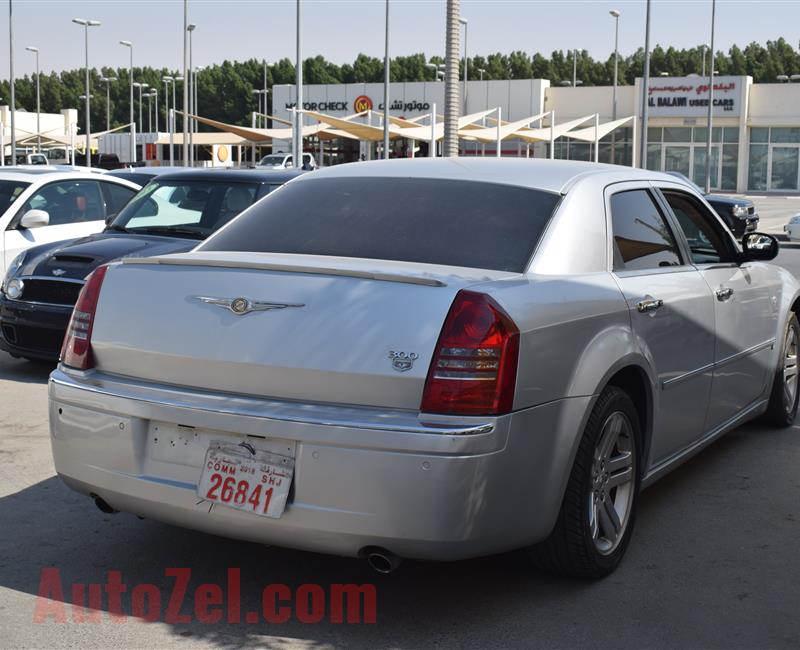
[284,161]
[39,205]
[792,229]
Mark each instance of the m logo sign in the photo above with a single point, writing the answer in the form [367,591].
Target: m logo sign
[362,103]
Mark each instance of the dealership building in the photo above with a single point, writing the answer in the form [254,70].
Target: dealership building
[755,133]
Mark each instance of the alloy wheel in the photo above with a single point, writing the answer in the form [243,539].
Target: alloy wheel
[613,482]
[790,366]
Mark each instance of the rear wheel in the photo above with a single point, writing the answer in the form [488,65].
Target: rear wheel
[595,523]
[783,399]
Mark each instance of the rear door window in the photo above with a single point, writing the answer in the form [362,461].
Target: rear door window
[454,223]
[642,237]
[117,196]
[68,202]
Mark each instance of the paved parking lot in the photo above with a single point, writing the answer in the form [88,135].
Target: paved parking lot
[714,561]
[774,211]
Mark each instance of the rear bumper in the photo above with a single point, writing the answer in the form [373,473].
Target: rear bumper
[435,489]
[33,330]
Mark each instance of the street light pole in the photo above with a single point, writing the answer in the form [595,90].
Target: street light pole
[616,15]
[191,80]
[464,22]
[645,91]
[574,68]
[86,25]
[140,86]
[129,45]
[297,145]
[35,50]
[710,99]
[186,71]
[265,93]
[11,85]
[167,81]
[386,88]
[703,72]
[108,81]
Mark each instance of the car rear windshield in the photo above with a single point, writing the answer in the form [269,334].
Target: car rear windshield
[185,208]
[9,191]
[454,223]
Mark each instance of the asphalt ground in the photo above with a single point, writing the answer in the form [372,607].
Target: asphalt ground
[713,563]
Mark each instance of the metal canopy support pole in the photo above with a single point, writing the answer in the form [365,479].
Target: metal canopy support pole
[498,153]
[597,137]
[552,135]
[172,137]
[2,144]
[633,143]
[432,146]
[253,148]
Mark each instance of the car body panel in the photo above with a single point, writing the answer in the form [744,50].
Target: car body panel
[16,240]
[371,468]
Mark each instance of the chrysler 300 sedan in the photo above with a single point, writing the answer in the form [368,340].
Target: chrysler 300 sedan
[432,359]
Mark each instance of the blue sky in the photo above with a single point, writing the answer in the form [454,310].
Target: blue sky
[340,29]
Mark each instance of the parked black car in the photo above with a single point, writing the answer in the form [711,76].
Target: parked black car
[738,213]
[171,214]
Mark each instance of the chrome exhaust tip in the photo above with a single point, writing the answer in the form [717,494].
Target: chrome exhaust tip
[381,560]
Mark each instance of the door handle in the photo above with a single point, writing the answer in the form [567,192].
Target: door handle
[649,305]
[726,293]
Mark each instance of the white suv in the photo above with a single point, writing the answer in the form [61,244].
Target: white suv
[284,161]
[45,204]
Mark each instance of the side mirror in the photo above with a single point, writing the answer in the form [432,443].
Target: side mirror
[759,247]
[34,219]
[110,218]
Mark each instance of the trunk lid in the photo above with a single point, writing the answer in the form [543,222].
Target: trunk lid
[321,329]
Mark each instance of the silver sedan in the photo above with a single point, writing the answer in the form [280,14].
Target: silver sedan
[432,359]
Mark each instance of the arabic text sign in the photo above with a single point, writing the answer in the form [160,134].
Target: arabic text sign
[688,96]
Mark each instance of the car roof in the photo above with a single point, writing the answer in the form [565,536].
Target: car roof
[237,175]
[148,171]
[535,173]
[32,175]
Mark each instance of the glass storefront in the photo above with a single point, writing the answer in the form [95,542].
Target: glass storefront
[682,149]
[774,159]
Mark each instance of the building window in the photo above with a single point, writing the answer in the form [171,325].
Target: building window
[757,168]
[774,159]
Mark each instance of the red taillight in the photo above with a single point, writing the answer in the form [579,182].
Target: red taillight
[77,349]
[474,368]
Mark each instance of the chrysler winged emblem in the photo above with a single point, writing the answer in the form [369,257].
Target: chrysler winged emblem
[240,305]
[59,272]
[402,361]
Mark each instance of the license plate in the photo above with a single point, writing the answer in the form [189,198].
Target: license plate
[239,477]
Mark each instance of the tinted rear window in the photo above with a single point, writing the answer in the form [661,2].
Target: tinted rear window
[457,223]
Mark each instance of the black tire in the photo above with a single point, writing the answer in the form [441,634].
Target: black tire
[782,407]
[571,549]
